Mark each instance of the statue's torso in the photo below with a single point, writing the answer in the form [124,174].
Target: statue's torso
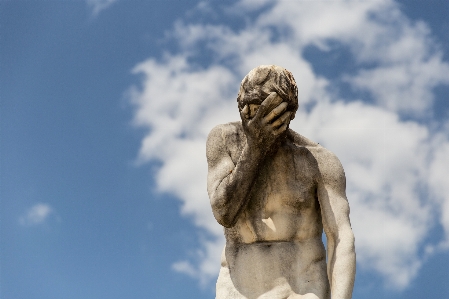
[275,249]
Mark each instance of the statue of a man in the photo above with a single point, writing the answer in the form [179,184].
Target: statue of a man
[274,191]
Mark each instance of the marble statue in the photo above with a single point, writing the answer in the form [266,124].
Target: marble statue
[274,191]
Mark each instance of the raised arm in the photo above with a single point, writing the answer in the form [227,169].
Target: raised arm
[337,226]
[228,184]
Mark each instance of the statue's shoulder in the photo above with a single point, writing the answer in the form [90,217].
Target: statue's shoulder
[300,140]
[327,160]
[228,136]
[226,132]
[227,129]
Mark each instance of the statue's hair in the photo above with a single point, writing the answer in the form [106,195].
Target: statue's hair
[262,80]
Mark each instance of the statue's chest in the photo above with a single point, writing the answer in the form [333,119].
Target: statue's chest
[283,202]
[286,181]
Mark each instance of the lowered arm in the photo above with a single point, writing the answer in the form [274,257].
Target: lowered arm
[337,226]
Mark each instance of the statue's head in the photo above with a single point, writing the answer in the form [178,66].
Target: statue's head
[263,80]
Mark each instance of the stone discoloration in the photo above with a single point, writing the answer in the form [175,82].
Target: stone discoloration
[274,191]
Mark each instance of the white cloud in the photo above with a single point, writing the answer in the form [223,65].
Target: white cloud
[181,104]
[396,169]
[438,181]
[99,5]
[36,215]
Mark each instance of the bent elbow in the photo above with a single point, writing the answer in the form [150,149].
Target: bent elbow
[222,211]
[223,215]
[227,223]
[224,219]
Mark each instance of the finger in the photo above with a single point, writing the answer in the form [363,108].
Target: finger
[280,92]
[285,118]
[266,104]
[245,112]
[275,112]
[274,102]
[281,129]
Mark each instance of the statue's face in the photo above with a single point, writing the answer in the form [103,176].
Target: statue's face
[256,96]
[253,99]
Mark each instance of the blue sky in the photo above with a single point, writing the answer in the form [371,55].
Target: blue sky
[105,107]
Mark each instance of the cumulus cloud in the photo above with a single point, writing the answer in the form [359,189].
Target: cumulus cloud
[36,215]
[395,168]
[99,5]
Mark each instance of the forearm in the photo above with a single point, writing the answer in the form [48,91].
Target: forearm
[232,193]
[341,265]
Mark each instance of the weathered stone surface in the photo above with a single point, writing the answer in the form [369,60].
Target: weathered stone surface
[274,191]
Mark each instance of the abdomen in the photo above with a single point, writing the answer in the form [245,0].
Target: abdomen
[274,269]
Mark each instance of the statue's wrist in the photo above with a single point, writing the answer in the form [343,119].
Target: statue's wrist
[256,150]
